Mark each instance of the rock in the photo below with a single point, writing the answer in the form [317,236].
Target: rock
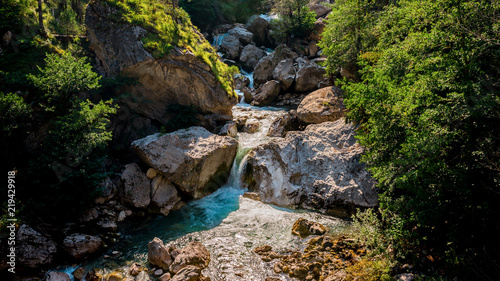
[158,272]
[136,190]
[241,121]
[266,93]
[243,35]
[179,77]
[241,81]
[322,105]
[405,277]
[79,273]
[114,276]
[33,250]
[231,46]
[142,276]
[266,65]
[188,273]
[107,224]
[304,228]
[250,56]
[248,95]
[261,31]
[312,49]
[310,77]
[135,268]
[280,126]
[94,275]
[315,169]
[262,249]
[165,277]
[320,10]
[164,195]
[122,216]
[251,127]
[316,34]
[57,276]
[158,254]
[82,245]
[285,73]
[89,215]
[107,189]
[230,129]
[193,254]
[151,173]
[251,195]
[195,160]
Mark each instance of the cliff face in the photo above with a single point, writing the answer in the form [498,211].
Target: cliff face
[177,77]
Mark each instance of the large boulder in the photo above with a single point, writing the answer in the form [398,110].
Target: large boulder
[266,65]
[193,254]
[179,77]
[33,250]
[285,73]
[164,196]
[250,56]
[231,46]
[82,245]
[194,160]
[266,93]
[319,9]
[261,31]
[136,187]
[311,77]
[322,105]
[159,254]
[57,276]
[245,36]
[316,169]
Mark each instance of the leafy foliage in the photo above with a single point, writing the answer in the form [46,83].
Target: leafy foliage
[295,20]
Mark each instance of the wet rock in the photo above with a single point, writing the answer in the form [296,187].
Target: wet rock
[194,254]
[250,56]
[187,273]
[164,195]
[195,160]
[266,93]
[310,77]
[33,250]
[322,105]
[158,254]
[304,228]
[136,187]
[230,130]
[316,169]
[285,73]
[79,273]
[57,276]
[243,35]
[82,245]
[266,65]
[231,46]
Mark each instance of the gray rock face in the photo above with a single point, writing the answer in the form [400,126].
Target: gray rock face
[159,254]
[285,73]
[266,93]
[33,250]
[231,46]
[322,105]
[265,67]
[317,169]
[194,254]
[250,56]
[177,78]
[260,29]
[245,36]
[310,77]
[136,191]
[57,276]
[194,160]
[82,245]
[164,195]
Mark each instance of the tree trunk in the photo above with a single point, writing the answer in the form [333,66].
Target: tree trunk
[40,18]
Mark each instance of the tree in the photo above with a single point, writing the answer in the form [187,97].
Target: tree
[295,20]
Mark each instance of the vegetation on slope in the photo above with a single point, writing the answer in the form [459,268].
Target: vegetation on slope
[428,104]
[170,26]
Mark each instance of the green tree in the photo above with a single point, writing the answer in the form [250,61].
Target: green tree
[295,19]
[428,107]
[68,23]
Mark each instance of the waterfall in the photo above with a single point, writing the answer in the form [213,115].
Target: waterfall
[218,39]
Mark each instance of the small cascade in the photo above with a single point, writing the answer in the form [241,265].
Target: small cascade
[218,39]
